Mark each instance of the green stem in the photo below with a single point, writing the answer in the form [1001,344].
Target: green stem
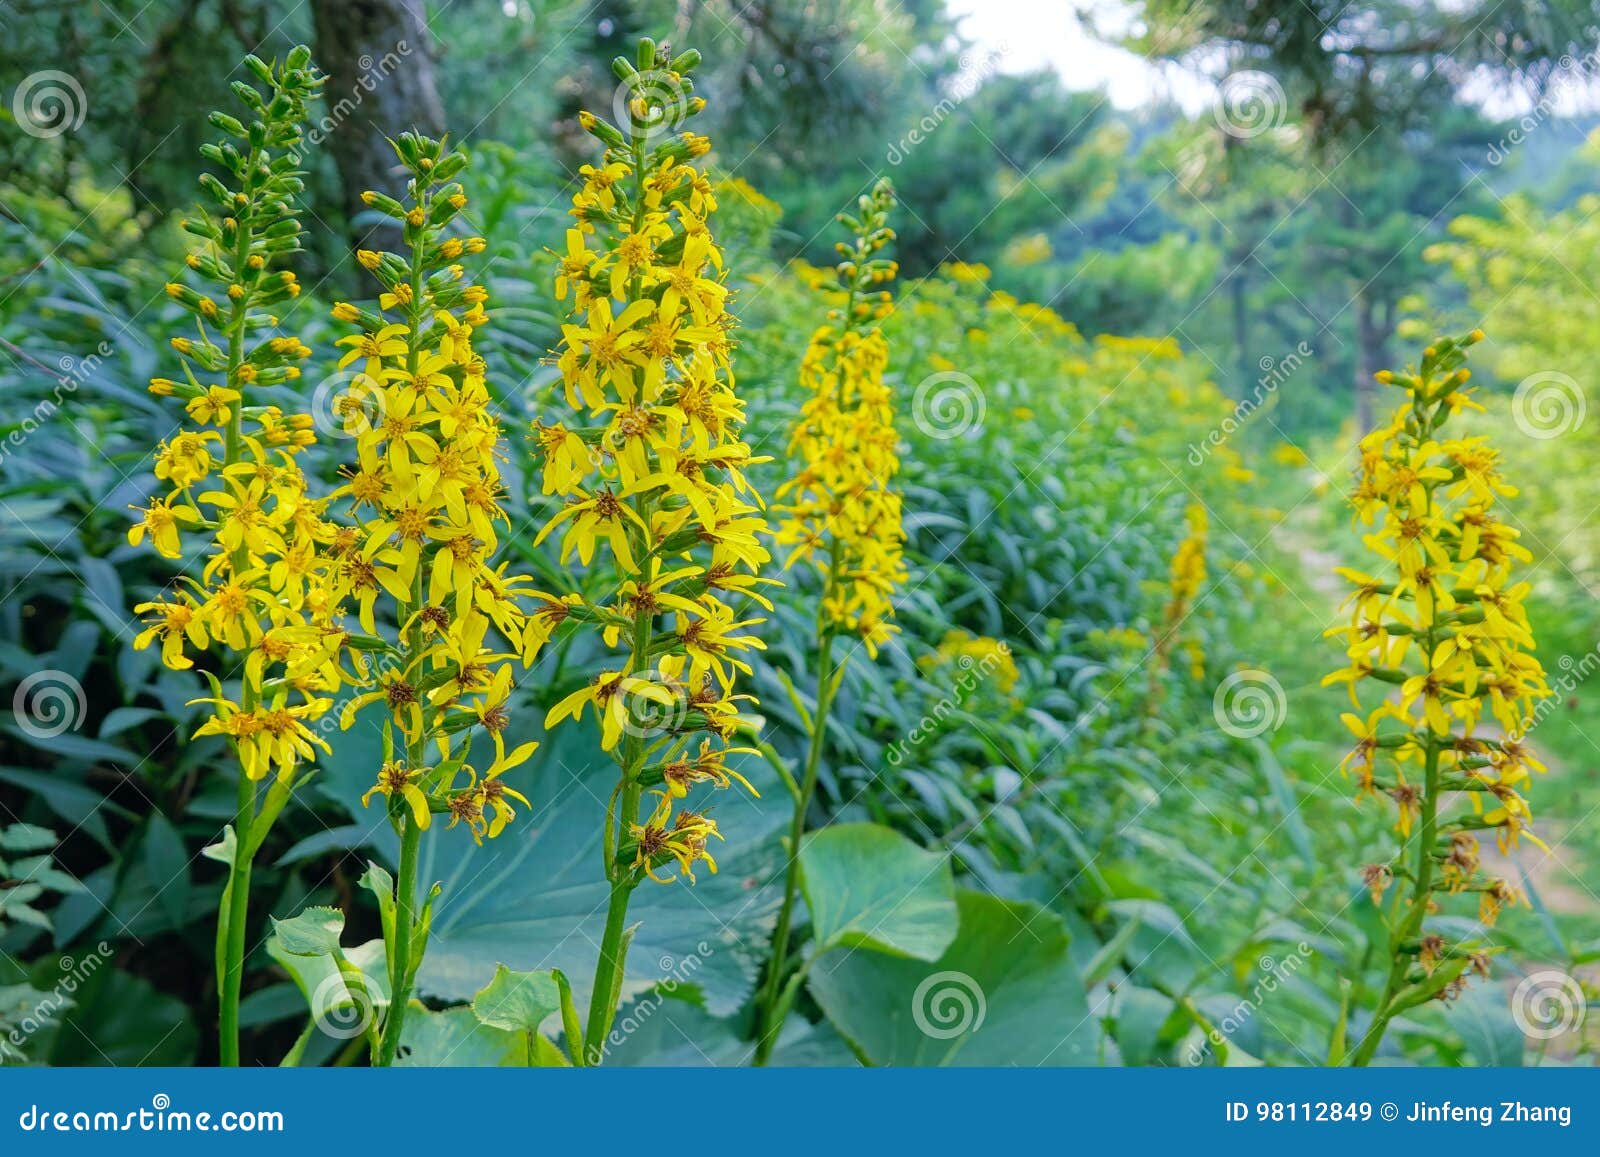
[405,898]
[772,1008]
[401,965]
[232,949]
[607,973]
[1411,926]
[609,967]
[238,911]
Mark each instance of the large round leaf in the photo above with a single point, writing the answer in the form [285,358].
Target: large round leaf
[535,898]
[1004,993]
[868,886]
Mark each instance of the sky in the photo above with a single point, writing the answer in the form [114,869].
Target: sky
[1029,34]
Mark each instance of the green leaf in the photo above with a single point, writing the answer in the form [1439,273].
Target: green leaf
[314,932]
[338,1010]
[517,1001]
[1140,1014]
[1482,1017]
[456,1038]
[1004,993]
[867,886]
[536,896]
[168,865]
[26,838]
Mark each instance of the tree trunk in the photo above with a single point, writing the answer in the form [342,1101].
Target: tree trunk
[378,55]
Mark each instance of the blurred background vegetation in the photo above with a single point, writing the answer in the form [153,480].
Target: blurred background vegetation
[1113,280]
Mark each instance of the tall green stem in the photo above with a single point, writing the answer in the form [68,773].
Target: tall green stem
[610,965]
[231,930]
[401,965]
[238,912]
[772,1007]
[608,970]
[1411,928]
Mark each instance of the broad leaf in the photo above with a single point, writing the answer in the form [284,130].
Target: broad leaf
[456,1038]
[535,898]
[517,1001]
[1004,993]
[868,886]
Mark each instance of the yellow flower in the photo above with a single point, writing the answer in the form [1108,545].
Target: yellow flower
[682,841]
[838,510]
[650,471]
[396,779]
[1440,639]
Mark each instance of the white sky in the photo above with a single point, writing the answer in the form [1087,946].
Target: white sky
[1030,34]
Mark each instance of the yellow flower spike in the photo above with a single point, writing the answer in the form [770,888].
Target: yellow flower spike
[650,470]
[1444,582]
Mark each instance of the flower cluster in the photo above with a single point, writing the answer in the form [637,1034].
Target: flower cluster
[232,473]
[1441,640]
[424,497]
[651,470]
[1188,575]
[840,512]
[966,652]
